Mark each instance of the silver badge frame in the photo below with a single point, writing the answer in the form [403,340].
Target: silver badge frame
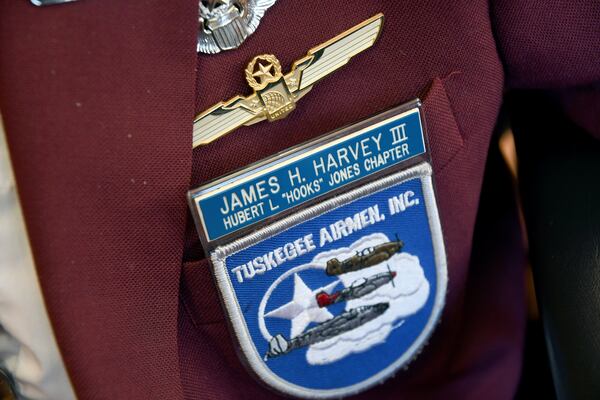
[258,167]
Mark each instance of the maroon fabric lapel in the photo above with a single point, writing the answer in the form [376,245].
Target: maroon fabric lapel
[98,100]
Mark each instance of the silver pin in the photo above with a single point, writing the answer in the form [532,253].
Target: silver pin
[225,24]
[49,2]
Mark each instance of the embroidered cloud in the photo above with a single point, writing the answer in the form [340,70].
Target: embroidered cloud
[407,295]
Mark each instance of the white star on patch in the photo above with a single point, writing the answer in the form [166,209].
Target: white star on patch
[303,309]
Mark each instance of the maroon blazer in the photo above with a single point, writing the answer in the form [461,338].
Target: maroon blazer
[98,99]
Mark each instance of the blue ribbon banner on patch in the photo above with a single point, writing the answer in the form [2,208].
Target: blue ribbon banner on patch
[296,179]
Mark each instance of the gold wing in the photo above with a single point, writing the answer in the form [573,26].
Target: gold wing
[333,54]
[318,63]
[223,118]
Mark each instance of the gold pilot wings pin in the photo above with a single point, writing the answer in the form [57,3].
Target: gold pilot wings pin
[275,94]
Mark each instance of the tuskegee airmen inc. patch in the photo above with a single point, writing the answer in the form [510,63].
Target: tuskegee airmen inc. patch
[329,257]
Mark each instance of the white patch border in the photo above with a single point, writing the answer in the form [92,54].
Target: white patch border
[252,357]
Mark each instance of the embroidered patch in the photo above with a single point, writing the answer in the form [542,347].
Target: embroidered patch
[335,297]
[338,303]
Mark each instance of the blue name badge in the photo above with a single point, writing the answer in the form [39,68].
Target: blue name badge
[330,296]
[296,177]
